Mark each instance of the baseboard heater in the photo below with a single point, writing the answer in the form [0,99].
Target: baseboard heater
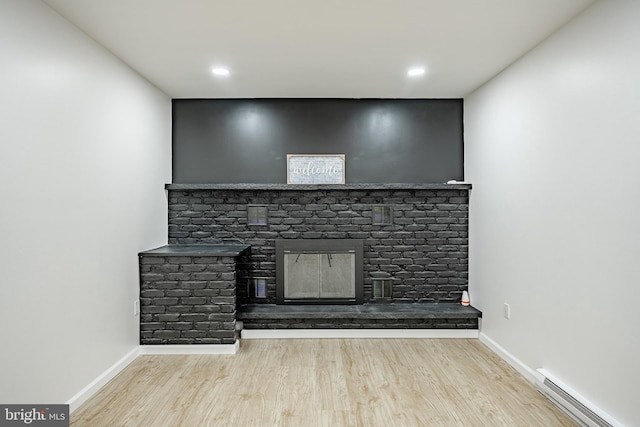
[571,402]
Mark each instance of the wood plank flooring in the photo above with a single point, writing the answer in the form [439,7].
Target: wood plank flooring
[323,382]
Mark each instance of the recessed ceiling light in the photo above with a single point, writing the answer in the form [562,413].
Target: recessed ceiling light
[415,71]
[220,71]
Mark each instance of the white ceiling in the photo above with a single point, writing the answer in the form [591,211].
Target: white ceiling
[318,48]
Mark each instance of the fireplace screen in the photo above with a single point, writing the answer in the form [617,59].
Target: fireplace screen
[319,275]
[317,271]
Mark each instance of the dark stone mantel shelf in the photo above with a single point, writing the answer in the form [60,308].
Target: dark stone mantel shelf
[314,187]
[221,250]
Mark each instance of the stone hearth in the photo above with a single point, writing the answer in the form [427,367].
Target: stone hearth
[368,316]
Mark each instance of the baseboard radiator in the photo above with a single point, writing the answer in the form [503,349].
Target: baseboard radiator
[571,402]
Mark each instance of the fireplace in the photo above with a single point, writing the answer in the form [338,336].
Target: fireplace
[319,271]
[421,256]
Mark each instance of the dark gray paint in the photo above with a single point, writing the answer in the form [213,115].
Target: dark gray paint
[384,140]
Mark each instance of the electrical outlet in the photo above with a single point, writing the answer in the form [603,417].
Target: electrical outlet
[136,307]
[506,311]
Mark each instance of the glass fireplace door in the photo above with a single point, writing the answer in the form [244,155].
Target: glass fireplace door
[324,275]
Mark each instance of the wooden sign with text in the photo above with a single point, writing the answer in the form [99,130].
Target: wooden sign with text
[315,169]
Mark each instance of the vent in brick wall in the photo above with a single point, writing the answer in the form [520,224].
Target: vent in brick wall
[381,288]
[257,287]
[382,215]
[257,215]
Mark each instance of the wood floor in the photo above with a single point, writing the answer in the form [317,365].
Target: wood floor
[324,382]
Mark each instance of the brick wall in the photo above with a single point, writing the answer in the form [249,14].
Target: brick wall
[424,251]
[187,300]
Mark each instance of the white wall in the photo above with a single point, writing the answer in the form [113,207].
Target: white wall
[84,153]
[552,147]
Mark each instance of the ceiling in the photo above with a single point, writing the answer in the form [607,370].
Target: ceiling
[318,48]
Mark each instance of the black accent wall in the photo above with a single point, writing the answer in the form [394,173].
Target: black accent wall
[384,140]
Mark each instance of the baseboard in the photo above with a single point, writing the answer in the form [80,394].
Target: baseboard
[191,349]
[95,385]
[534,377]
[571,402]
[357,333]
[528,373]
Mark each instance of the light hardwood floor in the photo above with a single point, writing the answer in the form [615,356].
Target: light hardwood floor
[324,382]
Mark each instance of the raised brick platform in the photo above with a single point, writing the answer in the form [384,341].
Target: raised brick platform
[378,316]
[188,294]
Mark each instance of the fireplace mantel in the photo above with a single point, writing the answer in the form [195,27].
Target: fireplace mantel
[314,187]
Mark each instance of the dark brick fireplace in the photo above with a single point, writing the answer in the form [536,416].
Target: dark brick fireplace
[415,237]
[401,247]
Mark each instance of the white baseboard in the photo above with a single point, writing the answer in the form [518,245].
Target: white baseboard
[95,385]
[573,403]
[191,349]
[535,377]
[357,333]
[528,373]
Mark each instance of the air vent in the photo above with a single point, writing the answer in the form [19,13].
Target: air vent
[382,288]
[381,215]
[257,215]
[257,287]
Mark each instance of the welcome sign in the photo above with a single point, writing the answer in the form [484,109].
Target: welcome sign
[315,169]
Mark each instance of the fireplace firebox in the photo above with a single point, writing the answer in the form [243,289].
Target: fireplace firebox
[319,271]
